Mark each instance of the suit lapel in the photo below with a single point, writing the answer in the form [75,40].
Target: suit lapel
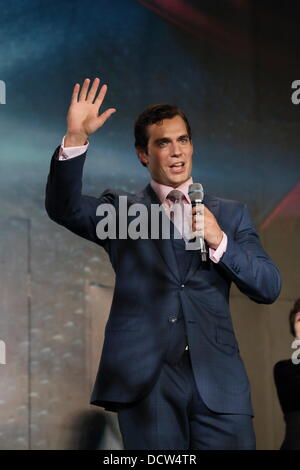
[164,246]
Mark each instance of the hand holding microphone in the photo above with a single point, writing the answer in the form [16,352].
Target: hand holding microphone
[204,224]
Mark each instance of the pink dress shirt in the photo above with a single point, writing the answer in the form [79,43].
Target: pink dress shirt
[161,190]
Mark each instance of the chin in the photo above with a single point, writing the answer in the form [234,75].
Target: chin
[179,178]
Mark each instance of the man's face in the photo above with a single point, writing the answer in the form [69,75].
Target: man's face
[169,154]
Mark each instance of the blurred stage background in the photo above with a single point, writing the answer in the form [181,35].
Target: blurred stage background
[229,64]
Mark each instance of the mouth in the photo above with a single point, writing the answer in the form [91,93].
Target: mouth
[177,167]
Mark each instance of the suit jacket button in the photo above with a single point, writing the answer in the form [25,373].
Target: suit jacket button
[172,319]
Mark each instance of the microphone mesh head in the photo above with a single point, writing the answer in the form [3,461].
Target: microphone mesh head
[196,192]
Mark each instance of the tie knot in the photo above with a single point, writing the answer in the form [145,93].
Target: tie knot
[175,195]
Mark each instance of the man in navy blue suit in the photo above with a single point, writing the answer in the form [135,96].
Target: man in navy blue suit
[170,365]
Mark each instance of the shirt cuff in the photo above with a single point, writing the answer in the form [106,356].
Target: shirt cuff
[65,153]
[215,255]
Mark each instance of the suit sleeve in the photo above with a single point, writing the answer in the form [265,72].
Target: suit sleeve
[248,265]
[66,205]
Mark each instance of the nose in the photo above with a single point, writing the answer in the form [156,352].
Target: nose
[176,150]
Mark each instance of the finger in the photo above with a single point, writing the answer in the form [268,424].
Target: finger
[93,90]
[197,232]
[104,116]
[199,226]
[84,89]
[198,218]
[101,95]
[75,93]
[198,208]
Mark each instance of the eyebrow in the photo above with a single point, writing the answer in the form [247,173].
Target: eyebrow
[167,139]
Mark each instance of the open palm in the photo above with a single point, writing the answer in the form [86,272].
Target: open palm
[83,117]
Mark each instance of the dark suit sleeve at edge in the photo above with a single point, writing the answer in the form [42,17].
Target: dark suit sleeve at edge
[64,202]
[248,265]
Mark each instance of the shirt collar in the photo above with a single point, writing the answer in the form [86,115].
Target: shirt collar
[163,190]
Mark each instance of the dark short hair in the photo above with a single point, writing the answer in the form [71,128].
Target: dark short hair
[293,312]
[151,115]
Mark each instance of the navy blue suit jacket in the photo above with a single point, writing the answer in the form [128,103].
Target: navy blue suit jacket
[148,292]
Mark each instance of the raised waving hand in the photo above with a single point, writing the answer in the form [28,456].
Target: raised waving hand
[84,118]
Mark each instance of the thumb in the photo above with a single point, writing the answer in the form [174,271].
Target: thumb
[104,116]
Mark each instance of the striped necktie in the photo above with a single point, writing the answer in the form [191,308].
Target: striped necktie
[177,209]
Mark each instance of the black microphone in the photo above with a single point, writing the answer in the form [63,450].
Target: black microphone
[196,195]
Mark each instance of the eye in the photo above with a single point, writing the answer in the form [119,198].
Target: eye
[184,140]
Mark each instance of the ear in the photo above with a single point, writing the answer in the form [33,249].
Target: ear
[142,156]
